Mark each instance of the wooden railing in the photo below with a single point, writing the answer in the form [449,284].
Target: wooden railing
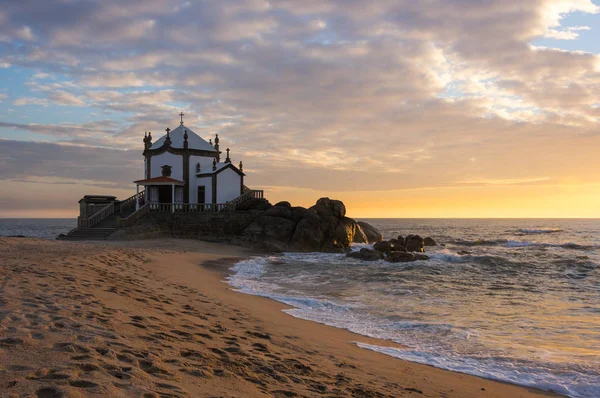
[97,217]
[189,207]
[133,217]
[127,205]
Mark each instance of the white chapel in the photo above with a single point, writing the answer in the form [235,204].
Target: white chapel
[182,168]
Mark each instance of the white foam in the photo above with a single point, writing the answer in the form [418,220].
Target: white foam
[540,231]
[569,383]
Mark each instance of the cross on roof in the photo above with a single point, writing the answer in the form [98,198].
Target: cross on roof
[182,115]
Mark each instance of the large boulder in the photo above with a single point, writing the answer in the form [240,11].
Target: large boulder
[372,234]
[289,213]
[414,243]
[324,227]
[366,255]
[360,236]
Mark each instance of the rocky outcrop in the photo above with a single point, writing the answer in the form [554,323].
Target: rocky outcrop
[371,233]
[323,227]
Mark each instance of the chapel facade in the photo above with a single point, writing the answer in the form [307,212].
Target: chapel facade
[183,168]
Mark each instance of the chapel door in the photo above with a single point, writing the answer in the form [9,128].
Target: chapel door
[201,194]
[165,194]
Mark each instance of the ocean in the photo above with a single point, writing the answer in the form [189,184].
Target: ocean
[47,228]
[521,306]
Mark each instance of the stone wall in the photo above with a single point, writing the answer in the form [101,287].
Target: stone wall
[189,225]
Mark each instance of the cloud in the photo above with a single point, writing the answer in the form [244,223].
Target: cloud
[331,93]
[42,75]
[22,101]
[65,98]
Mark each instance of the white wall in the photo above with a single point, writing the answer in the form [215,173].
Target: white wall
[228,185]
[205,167]
[207,182]
[175,161]
[205,164]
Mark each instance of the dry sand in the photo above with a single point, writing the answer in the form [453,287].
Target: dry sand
[143,319]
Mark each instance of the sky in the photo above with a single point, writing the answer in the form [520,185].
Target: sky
[399,108]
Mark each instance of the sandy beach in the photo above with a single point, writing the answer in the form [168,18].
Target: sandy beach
[153,319]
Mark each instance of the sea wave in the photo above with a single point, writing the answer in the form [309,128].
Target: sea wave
[540,231]
[518,243]
[278,277]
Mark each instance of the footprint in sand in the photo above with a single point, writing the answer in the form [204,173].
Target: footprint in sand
[11,342]
[49,392]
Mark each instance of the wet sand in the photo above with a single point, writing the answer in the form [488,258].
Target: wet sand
[145,319]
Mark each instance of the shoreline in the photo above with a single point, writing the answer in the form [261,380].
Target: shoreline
[222,267]
[245,345]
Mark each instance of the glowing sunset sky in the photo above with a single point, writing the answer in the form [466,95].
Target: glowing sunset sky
[400,108]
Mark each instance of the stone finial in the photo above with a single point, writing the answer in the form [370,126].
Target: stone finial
[227,159]
[198,167]
[150,137]
[185,139]
[241,166]
[210,141]
[214,164]
[168,139]
[217,148]
[147,140]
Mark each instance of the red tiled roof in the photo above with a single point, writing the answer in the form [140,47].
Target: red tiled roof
[159,180]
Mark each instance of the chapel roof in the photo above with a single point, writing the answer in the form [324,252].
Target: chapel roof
[161,180]
[176,135]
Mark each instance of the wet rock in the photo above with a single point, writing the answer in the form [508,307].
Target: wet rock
[404,257]
[383,246]
[400,257]
[429,242]
[414,243]
[366,255]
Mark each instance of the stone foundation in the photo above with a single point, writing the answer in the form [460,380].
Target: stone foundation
[189,225]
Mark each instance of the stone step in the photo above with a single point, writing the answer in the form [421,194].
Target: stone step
[89,234]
